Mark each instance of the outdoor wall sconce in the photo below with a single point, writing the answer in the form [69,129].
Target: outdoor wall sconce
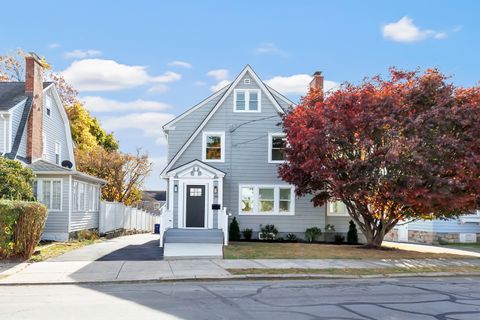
[215,189]
[175,188]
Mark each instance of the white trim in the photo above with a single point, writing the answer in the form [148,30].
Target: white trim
[206,219]
[271,135]
[247,100]
[57,144]
[168,125]
[220,134]
[47,97]
[40,192]
[4,121]
[276,200]
[217,106]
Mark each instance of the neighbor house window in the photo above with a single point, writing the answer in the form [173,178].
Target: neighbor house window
[213,146]
[266,200]
[81,197]
[49,192]
[276,147]
[337,208]
[75,195]
[247,100]
[48,106]
[58,151]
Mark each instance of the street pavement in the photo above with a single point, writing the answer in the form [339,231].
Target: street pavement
[406,298]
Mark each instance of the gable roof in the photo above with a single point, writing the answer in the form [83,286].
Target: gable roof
[259,82]
[45,167]
[12,93]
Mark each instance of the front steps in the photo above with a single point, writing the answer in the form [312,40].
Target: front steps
[193,243]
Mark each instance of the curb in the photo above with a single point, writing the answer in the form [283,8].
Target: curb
[254,277]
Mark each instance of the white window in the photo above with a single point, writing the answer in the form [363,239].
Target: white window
[213,146]
[44,146]
[58,152]
[75,196]
[266,200]
[276,147]
[48,106]
[81,196]
[337,208]
[247,100]
[89,198]
[49,192]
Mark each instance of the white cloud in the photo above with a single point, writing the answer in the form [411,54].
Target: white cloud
[220,85]
[109,75]
[404,30]
[54,45]
[178,63]
[200,83]
[99,104]
[297,84]
[159,88]
[150,123]
[82,54]
[269,48]
[218,74]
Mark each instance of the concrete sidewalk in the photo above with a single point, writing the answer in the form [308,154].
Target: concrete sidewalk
[117,271]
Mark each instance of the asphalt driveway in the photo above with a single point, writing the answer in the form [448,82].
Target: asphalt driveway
[139,247]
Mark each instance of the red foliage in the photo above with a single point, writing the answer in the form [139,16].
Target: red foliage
[390,149]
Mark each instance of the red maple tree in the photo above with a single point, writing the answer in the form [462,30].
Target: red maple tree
[390,149]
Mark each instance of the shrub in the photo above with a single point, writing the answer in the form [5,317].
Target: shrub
[234,232]
[291,237]
[247,234]
[339,238]
[87,235]
[352,235]
[22,225]
[15,180]
[269,232]
[312,234]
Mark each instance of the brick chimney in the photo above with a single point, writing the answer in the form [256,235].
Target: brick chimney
[317,82]
[34,90]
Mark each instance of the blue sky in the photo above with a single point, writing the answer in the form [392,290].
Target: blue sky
[139,63]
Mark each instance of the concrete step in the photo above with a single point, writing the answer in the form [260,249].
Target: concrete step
[194,236]
[193,250]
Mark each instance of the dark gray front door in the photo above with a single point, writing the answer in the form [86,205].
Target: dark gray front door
[195,216]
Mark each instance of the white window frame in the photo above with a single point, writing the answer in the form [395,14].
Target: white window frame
[40,192]
[331,212]
[44,146]
[276,202]
[48,105]
[220,134]
[58,150]
[271,135]
[247,100]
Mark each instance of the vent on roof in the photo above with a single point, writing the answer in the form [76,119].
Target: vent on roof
[246,81]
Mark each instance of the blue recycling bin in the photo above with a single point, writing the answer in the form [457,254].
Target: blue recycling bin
[157,228]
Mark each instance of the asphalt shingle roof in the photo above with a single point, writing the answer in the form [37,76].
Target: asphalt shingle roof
[12,93]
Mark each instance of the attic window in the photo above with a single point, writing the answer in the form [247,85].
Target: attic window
[246,81]
[247,100]
[48,105]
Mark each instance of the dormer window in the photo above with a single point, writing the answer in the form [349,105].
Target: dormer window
[247,100]
[48,106]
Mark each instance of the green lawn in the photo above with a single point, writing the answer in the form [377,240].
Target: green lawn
[264,250]
[355,271]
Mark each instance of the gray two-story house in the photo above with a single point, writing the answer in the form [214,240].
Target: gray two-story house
[35,130]
[223,158]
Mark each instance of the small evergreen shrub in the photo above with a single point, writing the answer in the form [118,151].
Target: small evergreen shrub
[21,226]
[352,235]
[247,234]
[269,232]
[234,231]
[291,237]
[312,234]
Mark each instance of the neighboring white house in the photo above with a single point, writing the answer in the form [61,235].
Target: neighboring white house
[35,130]
[223,158]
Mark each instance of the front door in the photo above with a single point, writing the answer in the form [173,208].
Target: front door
[195,206]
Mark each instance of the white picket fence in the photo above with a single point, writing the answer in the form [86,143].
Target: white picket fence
[115,216]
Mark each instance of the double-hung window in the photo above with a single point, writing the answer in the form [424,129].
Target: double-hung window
[48,106]
[337,208]
[266,200]
[58,152]
[247,100]
[276,147]
[49,192]
[213,146]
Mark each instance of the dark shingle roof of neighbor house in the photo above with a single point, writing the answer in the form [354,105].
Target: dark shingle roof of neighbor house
[12,93]
[159,195]
[41,166]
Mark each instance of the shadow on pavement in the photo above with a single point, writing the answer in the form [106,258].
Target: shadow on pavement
[149,251]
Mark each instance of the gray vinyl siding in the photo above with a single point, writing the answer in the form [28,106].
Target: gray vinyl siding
[57,221]
[185,127]
[85,219]
[246,162]
[450,226]
[54,130]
